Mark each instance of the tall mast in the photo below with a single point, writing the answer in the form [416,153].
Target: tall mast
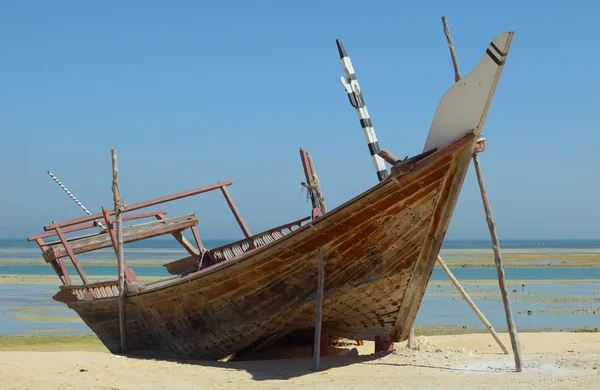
[357,101]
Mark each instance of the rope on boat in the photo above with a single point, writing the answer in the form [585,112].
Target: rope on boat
[74,198]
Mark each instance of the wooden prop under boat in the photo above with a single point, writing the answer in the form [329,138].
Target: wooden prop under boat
[379,250]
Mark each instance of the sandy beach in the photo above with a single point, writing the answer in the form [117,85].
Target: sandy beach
[551,360]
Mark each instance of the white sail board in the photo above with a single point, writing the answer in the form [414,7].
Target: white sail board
[464,106]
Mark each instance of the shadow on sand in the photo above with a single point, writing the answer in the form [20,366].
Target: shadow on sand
[281,363]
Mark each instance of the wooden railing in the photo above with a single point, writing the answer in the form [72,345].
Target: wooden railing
[238,248]
[99,290]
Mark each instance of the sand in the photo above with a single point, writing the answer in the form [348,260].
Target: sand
[551,360]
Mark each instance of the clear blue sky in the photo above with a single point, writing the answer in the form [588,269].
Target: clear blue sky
[194,92]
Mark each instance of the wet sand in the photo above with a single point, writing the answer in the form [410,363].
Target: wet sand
[551,360]
[469,258]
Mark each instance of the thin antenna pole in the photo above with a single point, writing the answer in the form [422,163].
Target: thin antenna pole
[74,198]
[358,102]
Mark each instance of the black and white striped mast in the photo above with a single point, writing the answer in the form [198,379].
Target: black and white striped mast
[358,102]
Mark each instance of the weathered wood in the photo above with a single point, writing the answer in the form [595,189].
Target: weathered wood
[130,234]
[182,266]
[472,304]
[319,310]
[198,240]
[381,245]
[182,240]
[58,265]
[236,213]
[512,328]
[119,207]
[480,145]
[243,246]
[411,338]
[91,225]
[110,230]
[252,300]
[451,47]
[317,184]
[68,251]
[144,204]
[388,156]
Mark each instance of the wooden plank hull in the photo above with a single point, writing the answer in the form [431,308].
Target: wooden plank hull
[378,250]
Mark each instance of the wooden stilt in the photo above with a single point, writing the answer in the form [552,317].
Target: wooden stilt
[467,298]
[411,338]
[512,329]
[319,311]
[119,207]
[514,339]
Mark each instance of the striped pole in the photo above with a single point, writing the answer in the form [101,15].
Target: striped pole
[358,102]
[74,198]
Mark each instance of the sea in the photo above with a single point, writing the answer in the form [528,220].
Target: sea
[551,298]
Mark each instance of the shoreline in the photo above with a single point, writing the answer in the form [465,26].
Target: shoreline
[90,342]
[464,258]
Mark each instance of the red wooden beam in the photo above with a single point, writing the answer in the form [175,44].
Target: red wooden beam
[198,240]
[110,230]
[142,205]
[74,260]
[182,240]
[236,214]
[93,224]
[58,264]
[388,157]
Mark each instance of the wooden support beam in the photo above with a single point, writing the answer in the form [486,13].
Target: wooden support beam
[512,328]
[119,207]
[388,156]
[57,264]
[309,185]
[451,47]
[71,255]
[514,339]
[411,338]
[182,240]
[472,304]
[130,234]
[198,240]
[319,310]
[383,345]
[111,231]
[317,184]
[312,185]
[236,213]
[142,205]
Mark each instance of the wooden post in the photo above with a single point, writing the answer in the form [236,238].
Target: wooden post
[512,329]
[119,208]
[467,298]
[411,338]
[317,184]
[451,47]
[319,311]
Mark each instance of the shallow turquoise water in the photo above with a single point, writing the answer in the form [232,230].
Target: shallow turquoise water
[435,309]
[534,273]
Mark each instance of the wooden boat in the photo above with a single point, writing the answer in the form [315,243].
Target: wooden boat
[379,250]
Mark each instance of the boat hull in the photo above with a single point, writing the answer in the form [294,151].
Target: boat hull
[379,251]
